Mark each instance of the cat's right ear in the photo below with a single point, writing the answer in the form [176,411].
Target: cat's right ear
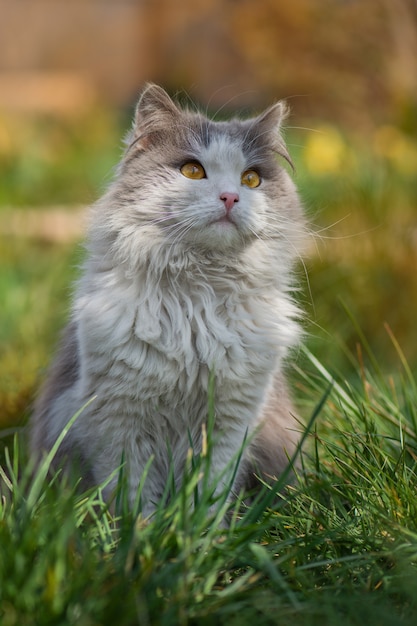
[155,111]
[270,124]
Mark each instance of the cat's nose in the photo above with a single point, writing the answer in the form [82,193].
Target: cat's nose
[229,199]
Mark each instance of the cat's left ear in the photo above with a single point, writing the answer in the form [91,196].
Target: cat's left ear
[155,111]
[270,123]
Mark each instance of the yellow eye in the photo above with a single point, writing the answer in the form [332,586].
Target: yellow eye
[193,170]
[250,179]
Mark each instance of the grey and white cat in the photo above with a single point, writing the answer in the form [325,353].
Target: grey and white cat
[188,270]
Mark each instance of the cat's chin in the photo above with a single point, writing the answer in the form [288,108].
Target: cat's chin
[224,222]
[221,235]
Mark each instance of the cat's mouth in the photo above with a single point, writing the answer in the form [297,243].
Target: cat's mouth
[225,220]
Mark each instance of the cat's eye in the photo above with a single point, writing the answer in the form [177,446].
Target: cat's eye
[250,179]
[193,170]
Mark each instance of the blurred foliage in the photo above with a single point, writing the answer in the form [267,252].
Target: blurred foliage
[361,195]
[35,283]
[351,61]
[47,160]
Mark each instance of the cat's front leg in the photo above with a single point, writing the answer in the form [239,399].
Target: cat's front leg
[229,440]
[134,482]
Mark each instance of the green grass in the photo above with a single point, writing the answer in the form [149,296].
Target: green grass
[339,547]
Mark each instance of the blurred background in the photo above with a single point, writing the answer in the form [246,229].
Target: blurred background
[70,73]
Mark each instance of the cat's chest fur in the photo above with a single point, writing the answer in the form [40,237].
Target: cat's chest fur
[156,340]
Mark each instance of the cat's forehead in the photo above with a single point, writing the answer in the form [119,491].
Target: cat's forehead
[221,150]
[225,142]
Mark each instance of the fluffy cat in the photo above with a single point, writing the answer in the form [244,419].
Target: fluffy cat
[188,270]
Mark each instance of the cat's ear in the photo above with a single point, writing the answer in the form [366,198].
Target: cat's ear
[270,123]
[155,111]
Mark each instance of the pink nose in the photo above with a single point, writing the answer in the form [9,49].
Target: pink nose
[229,199]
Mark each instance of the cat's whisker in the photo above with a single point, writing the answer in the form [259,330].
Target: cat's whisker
[181,234]
[182,227]
[253,231]
[310,130]
[160,219]
[229,101]
[303,264]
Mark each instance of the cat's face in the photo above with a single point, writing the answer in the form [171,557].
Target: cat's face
[211,185]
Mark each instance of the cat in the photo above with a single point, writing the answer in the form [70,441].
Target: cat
[188,271]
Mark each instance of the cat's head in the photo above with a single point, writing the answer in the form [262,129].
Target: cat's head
[204,184]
